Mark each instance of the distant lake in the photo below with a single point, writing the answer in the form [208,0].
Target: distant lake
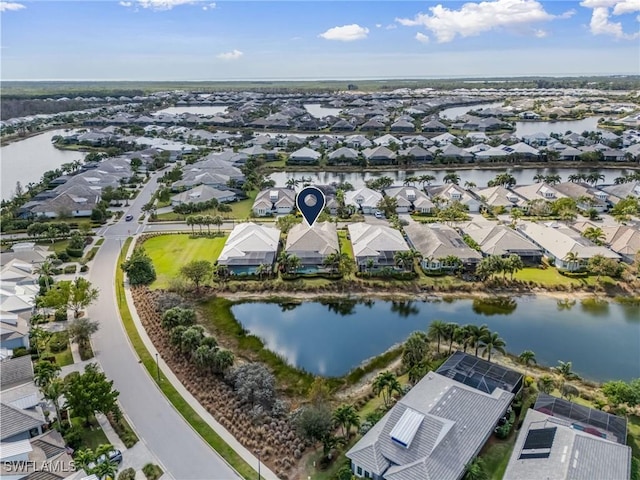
[320,112]
[195,109]
[332,338]
[523,176]
[26,160]
[454,112]
[578,126]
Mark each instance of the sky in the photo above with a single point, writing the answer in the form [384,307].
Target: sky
[189,40]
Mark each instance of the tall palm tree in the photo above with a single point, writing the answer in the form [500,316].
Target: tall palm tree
[217,221]
[476,334]
[347,417]
[438,331]
[451,177]
[426,179]
[595,234]
[45,372]
[526,358]
[491,342]
[451,328]
[564,369]
[572,258]
[53,392]
[386,383]
[538,178]
[474,470]
[45,270]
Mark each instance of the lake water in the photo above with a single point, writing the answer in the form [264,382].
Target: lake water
[320,112]
[28,159]
[454,112]
[479,177]
[331,340]
[195,109]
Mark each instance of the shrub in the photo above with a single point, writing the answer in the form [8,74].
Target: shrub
[60,315]
[63,257]
[74,252]
[20,352]
[70,269]
[127,474]
[58,342]
[152,471]
[84,268]
[73,436]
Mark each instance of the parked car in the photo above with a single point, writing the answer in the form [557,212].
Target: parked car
[378,214]
[114,456]
[128,218]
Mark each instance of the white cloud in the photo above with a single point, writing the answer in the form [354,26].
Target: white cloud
[540,33]
[10,6]
[346,33]
[163,4]
[210,6]
[601,23]
[422,38]
[475,18]
[125,4]
[232,55]
[391,26]
[378,25]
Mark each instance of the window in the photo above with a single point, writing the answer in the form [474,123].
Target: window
[367,474]
[359,471]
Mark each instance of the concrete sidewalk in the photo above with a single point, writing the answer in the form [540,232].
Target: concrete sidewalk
[248,457]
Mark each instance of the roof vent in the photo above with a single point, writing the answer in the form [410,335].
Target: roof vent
[407,427]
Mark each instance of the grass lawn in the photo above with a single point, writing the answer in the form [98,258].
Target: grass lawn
[92,436]
[179,403]
[496,456]
[63,358]
[633,435]
[242,210]
[170,252]
[552,277]
[345,243]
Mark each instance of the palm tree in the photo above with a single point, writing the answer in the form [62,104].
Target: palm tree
[81,329]
[595,234]
[538,178]
[451,334]
[347,417]
[474,470]
[105,470]
[546,384]
[45,372]
[217,221]
[491,342]
[191,223]
[426,179]
[45,270]
[476,334]
[53,392]
[263,270]
[574,178]
[332,261]
[526,358]
[564,370]
[553,179]
[84,457]
[437,330]
[451,177]
[594,177]
[571,258]
[386,383]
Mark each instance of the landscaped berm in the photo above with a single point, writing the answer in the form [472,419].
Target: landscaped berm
[170,252]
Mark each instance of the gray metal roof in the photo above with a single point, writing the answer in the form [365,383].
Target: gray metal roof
[16,371]
[572,455]
[457,422]
[439,241]
[16,421]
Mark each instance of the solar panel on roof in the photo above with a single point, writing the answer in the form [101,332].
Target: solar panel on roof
[524,456]
[540,438]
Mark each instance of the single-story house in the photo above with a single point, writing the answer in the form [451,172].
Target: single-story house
[386,140]
[503,241]
[35,458]
[500,197]
[203,193]
[376,243]
[450,152]
[435,242]
[248,246]
[14,330]
[559,243]
[312,244]
[417,154]
[433,432]
[410,199]
[379,155]
[344,156]
[67,204]
[304,156]
[274,201]
[560,440]
[586,196]
[450,193]
[363,199]
[622,239]
[539,191]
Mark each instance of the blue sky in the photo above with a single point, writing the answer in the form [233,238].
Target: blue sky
[196,40]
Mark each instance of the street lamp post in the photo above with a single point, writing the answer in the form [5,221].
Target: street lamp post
[258,452]
[157,368]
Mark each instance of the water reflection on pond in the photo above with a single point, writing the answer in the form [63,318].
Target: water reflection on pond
[331,338]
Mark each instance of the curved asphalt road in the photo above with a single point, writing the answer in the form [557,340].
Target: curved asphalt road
[180,449]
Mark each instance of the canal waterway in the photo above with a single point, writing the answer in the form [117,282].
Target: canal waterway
[478,176]
[26,160]
[331,339]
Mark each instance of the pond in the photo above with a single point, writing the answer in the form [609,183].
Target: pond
[195,109]
[478,176]
[332,338]
[318,111]
[26,160]
[454,112]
